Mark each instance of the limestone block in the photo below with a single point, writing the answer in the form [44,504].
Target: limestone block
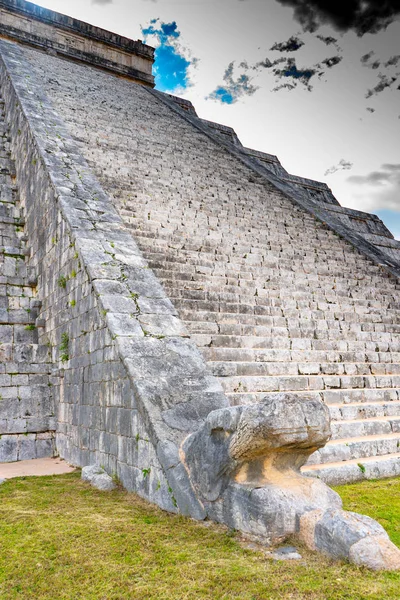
[90,471]
[337,531]
[98,478]
[103,482]
[376,552]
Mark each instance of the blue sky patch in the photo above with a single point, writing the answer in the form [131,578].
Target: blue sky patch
[391,218]
[171,65]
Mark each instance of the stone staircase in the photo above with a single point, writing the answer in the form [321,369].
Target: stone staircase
[274,299]
[27,421]
[272,318]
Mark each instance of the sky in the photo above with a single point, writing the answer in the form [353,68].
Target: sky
[315,82]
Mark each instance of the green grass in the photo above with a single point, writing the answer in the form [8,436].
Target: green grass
[377,499]
[61,539]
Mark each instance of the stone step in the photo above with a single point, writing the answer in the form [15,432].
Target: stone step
[294,368]
[383,342]
[7,207]
[163,238]
[266,306]
[26,405]
[365,427]
[287,315]
[23,355]
[16,221]
[14,267]
[289,325]
[302,344]
[8,194]
[16,252]
[260,355]
[358,312]
[18,334]
[285,288]
[349,471]
[307,382]
[171,246]
[356,448]
[25,282]
[264,276]
[19,316]
[364,410]
[271,262]
[339,396]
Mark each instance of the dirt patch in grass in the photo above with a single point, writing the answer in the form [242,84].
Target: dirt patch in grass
[62,539]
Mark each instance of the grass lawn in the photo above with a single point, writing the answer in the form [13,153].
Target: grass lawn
[62,539]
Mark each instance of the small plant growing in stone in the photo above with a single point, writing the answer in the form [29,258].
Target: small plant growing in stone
[361,467]
[30,328]
[73,273]
[64,355]
[73,303]
[116,480]
[62,282]
[146,472]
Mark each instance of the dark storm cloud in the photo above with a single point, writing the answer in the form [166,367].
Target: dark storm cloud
[232,89]
[367,61]
[392,62]
[291,71]
[291,45]
[343,165]
[384,83]
[332,61]
[387,76]
[371,110]
[285,86]
[267,64]
[361,16]
[328,40]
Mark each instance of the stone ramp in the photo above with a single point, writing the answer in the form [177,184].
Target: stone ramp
[27,416]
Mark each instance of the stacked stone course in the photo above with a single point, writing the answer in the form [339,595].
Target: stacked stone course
[27,421]
[275,300]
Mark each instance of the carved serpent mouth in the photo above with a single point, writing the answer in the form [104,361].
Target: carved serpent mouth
[266,440]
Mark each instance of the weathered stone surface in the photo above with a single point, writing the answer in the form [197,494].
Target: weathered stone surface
[337,531]
[91,471]
[103,482]
[98,478]
[286,553]
[255,445]
[308,522]
[376,552]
